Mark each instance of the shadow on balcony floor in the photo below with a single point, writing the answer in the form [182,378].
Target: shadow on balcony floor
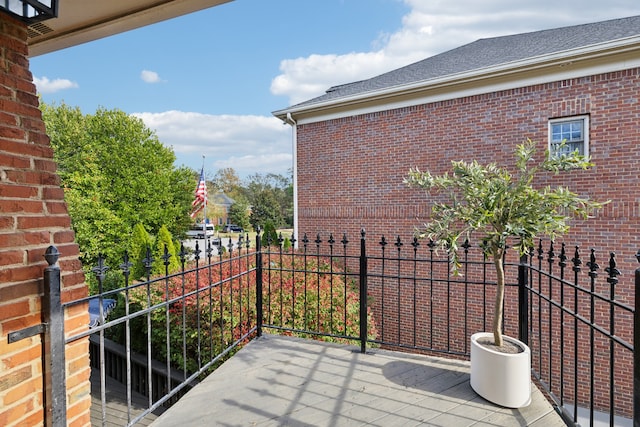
[282,381]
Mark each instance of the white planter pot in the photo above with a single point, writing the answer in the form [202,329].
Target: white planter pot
[501,378]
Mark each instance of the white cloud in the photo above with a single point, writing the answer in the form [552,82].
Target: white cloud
[258,144]
[150,76]
[249,144]
[304,78]
[44,85]
[434,26]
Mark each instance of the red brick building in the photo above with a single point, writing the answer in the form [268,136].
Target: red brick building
[355,143]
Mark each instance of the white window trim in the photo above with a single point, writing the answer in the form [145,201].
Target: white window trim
[585,130]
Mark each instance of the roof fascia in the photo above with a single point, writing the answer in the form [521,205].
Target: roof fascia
[594,59]
[160,11]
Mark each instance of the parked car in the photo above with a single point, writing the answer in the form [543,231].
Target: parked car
[232,228]
[198,231]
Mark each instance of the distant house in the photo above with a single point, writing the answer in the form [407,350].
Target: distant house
[220,206]
[355,143]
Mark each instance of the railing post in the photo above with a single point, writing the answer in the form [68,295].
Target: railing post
[363,293]
[523,300]
[55,393]
[636,349]
[259,312]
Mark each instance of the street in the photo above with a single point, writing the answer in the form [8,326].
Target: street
[202,244]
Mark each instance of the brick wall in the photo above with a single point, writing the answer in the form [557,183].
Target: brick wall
[350,170]
[33,216]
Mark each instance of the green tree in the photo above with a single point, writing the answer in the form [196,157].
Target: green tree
[227,181]
[239,214]
[500,206]
[280,187]
[115,174]
[140,242]
[270,235]
[265,209]
[164,239]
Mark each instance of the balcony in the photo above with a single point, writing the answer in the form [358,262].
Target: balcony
[278,381]
[409,316]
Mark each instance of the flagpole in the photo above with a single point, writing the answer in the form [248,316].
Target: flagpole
[205,199]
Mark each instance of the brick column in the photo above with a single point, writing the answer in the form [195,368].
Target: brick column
[33,216]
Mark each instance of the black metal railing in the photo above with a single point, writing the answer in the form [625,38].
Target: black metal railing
[171,328]
[407,293]
[579,329]
[391,293]
[581,334]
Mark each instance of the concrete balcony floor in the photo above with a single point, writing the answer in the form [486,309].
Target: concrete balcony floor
[283,381]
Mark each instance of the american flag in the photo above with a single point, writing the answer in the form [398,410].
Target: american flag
[201,196]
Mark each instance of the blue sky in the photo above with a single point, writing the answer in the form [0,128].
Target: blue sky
[208,82]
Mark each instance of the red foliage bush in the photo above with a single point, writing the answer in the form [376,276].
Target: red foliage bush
[196,315]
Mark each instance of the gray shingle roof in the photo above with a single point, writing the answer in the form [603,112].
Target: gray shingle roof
[490,52]
[221,199]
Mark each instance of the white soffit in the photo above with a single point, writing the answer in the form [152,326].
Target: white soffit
[81,21]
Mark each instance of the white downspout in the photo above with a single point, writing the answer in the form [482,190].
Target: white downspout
[294,142]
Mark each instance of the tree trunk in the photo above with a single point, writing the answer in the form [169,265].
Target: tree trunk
[499,305]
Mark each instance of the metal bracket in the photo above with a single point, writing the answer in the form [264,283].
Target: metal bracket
[27,332]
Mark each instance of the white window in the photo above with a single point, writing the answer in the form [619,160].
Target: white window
[573,132]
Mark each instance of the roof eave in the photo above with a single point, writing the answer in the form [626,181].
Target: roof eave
[73,26]
[539,64]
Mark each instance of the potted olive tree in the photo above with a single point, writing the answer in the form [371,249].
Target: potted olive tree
[501,208]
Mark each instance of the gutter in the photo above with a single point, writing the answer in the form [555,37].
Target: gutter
[294,142]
